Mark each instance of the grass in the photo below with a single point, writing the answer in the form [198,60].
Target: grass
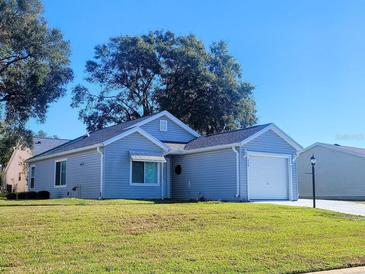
[87,236]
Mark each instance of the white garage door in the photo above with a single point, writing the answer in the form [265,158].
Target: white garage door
[268,178]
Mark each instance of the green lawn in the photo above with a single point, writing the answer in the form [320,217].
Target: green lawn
[83,236]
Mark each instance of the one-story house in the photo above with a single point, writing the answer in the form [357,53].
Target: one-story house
[340,172]
[159,157]
[15,172]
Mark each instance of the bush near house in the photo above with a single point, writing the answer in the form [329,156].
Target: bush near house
[43,195]
[31,195]
[11,196]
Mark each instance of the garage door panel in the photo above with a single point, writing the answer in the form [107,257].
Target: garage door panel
[268,178]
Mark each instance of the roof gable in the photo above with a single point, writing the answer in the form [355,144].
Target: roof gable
[108,135]
[236,138]
[224,138]
[171,117]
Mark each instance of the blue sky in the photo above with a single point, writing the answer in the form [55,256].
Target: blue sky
[306,58]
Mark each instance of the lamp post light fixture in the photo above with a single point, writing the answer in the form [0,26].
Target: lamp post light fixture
[313,162]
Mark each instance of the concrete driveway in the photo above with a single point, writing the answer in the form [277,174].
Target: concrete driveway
[347,207]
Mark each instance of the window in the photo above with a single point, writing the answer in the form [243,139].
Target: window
[32,176]
[163,125]
[145,173]
[19,176]
[60,173]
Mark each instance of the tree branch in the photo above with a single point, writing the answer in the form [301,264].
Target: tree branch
[6,65]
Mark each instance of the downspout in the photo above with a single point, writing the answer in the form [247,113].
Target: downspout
[162,191]
[237,171]
[98,149]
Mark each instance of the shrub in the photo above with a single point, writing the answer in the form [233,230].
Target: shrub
[32,195]
[11,196]
[43,195]
[22,195]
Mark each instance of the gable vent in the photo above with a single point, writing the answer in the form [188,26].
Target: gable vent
[163,125]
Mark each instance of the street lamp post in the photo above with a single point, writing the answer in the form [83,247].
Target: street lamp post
[313,162]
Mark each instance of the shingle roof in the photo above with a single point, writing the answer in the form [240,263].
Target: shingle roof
[224,138]
[354,150]
[95,137]
[41,145]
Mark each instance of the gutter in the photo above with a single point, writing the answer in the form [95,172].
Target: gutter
[204,149]
[40,157]
[237,171]
[98,149]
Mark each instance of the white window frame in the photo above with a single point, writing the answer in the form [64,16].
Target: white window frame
[55,171]
[144,184]
[163,125]
[30,176]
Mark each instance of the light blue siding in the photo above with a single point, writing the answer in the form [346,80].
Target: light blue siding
[82,170]
[268,142]
[174,132]
[117,169]
[211,175]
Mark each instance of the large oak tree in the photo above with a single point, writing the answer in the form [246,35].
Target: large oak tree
[134,76]
[34,69]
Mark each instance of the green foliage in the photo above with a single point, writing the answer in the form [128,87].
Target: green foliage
[12,137]
[43,134]
[34,67]
[123,236]
[134,76]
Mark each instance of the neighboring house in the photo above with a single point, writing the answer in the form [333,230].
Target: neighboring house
[340,172]
[159,157]
[16,171]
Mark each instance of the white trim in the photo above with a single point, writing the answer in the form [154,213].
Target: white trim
[171,117]
[143,184]
[333,147]
[205,149]
[162,194]
[290,179]
[54,174]
[36,158]
[140,131]
[237,171]
[278,131]
[268,154]
[272,155]
[98,149]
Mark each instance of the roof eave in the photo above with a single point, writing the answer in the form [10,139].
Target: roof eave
[71,151]
[204,149]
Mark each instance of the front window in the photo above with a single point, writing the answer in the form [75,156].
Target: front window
[144,172]
[60,176]
[32,176]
